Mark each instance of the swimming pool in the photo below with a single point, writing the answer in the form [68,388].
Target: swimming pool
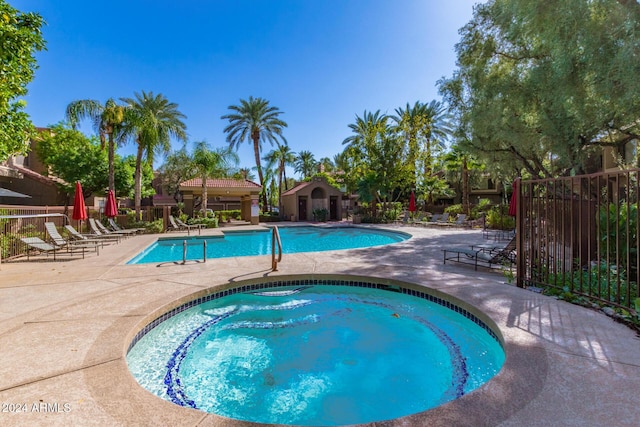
[315,352]
[258,242]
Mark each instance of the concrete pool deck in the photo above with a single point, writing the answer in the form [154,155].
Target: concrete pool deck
[65,327]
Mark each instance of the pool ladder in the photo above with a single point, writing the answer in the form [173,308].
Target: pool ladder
[184,251]
[275,238]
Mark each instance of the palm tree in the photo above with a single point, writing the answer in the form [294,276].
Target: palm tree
[106,119]
[245,173]
[366,129]
[423,125]
[152,121]
[305,164]
[279,159]
[254,121]
[327,164]
[212,164]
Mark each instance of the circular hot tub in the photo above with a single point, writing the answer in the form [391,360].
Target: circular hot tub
[316,352]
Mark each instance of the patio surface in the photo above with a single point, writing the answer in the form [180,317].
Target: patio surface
[65,327]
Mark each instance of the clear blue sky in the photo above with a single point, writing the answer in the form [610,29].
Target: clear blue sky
[321,62]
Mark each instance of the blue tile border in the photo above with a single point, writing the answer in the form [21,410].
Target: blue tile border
[306,282]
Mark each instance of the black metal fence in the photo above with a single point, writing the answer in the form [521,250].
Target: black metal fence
[580,235]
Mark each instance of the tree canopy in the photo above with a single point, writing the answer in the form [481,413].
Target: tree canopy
[72,157]
[20,38]
[541,84]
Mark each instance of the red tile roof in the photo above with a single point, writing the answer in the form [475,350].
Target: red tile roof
[221,183]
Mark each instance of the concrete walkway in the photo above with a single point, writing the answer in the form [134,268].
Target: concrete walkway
[65,327]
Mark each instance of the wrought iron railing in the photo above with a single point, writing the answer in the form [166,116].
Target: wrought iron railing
[580,235]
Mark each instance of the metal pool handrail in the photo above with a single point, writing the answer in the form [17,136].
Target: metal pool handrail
[275,237]
[184,251]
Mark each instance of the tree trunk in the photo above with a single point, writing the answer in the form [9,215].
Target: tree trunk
[203,208]
[281,172]
[466,208]
[138,180]
[256,151]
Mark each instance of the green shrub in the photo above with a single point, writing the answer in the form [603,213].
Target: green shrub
[614,221]
[454,209]
[225,215]
[483,206]
[321,214]
[154,226]
[208,222]
[498,218]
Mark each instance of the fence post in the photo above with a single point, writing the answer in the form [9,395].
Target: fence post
[520,259]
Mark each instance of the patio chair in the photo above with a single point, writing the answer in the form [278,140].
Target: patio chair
[105,230]
[114,225]
[103,238]
[460,221]
[175,226]
[184,224]
[93,225]
[482,256]
[40,246]
[435,218]
[70,245]
[444,218]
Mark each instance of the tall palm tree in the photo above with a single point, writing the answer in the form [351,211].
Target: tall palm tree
[107,119]
[423,125]
[280,158]
[151,120]
[208,163]
[366,129]
[305,164]
[254,121]
[327,164]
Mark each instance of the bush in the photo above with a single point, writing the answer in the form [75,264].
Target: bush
[321,214]
[454,209]
[229,214]
[483,206]
[208,222]
[498,218]
[153,227]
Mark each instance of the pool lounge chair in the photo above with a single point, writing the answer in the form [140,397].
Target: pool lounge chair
[482,256]
[114,225]
[40,246]
[460,221]
[70,245]
[93,225]
[105,230]
[103,238]
[181,226]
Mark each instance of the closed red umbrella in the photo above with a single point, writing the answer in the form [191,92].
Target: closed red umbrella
[79,208]
[412,202]
[111,209]
[513,203]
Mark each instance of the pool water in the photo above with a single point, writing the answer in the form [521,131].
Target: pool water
[315,355]
[246,243]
